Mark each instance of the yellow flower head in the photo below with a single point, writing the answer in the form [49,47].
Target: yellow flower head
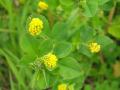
[62,87]
[50,61]
[42,5]
[94,47]
[35,26]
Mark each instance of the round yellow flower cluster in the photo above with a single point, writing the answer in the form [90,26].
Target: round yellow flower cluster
[50,61]
[94,47]
[35,26]
[62,87]
[42,5]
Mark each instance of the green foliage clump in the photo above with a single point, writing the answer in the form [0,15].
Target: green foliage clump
[70,44]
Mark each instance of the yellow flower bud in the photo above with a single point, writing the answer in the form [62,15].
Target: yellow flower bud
[94,47]
[35,26]
[42,5]
[62,87]
[50,61]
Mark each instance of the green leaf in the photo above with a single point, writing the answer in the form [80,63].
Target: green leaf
[12,84]
[66,2]
[39,80]
[69,68]
[114,29]
[46,27]
[103,40]
[53,4]
[83,49]
[70,62]
[85,70]
[13,68]
[68,73]
[103,86]
[90,8]
[71,87]
[87,87]
[27,59]
[101,2]
[86,33]
[46,47]
[62,49]
[43,80]
[30,44]
[59,31]
[107,6]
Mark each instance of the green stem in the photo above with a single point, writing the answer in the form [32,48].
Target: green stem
[45,77]
[7,31]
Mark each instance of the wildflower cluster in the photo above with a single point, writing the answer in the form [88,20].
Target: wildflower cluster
[50,61]
[94,47]
[35,26]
